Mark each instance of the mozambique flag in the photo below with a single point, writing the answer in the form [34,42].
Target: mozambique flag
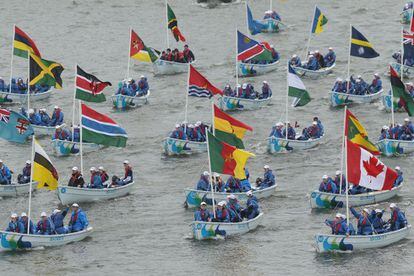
[319,20]
[89,88]
[398,91]
[227,159]
[173,25]
[43,170]
[228,129]
[45,72]
[360,46]
[23,44]
[357,134]
[138,50]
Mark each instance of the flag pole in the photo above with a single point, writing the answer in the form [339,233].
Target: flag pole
[166,17]
[212,119]
[270,5]
[80,138]
[402,56]
[28,81]
[237,69]
[349,60]
[342,153]
[30,186]
[210,176]
[186,98]
[74,105]
[287,99]
[129,52]
[346,180]
[12,56]
[310,33]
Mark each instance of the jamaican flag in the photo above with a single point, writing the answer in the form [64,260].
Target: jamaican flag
[360,46]
[173,25]
[45,72]
[23,44]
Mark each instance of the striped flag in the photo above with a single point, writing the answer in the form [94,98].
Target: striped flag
[43,170]
[89,88]
[297,89]
[199,86]
[100,129]
[23,44]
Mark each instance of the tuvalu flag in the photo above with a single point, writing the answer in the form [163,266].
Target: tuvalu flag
[228,129]
[227,159]
[319,20]
[43,170]
[14,127]
[357,134]
[173,25]
[45,72]
[89,88]
[23,44]
[360,46]
[138,50]
[398,91]
[199,86]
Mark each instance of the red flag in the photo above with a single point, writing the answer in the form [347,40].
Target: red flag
[199,86]
[412,24]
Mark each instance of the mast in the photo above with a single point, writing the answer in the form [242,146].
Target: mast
[12,57]
[237,69]
[212,117]
[342,153]
[310,33]
[129,50]
[210,176]
[31,183]
[74,105]
[80,138]
[287,99]
[166,18]
[270,5]
[28,81]
[186,95]
[346,181]
[349,60]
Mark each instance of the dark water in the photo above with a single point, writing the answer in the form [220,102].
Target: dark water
[147,232]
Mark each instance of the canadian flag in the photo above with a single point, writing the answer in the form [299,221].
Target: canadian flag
[366,170]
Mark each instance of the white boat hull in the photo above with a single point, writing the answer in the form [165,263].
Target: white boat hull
[282,145]
[69,195]
[250,70]
[172,146]
[332,201]
[16,189]
[386,102]
[341,99]
[164,67]
[124,102]
[195,197]
[390,147]
[340,243]
[15,241]
[211,230]
[233,103]
[313,73]
[43,130]
[272,25]
[22,98]
[66,148]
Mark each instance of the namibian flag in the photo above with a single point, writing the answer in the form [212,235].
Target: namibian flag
[360,46]
[23,44]
[319,20]
[100,129]
[297,89]
[89,88]
[228,129]
[398,91]
[247,48]
[357,134]
[227,159]
[199,86]
[43,170]
[45,72]
[173,25]
[138,50]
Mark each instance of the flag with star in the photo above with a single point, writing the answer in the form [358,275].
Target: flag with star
[138,50]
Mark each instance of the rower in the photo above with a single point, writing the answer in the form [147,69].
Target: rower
[291,134]
[339,86]
[397,56]
[34,117]
[338,183]
[252,207]
[338,225]
[312,63]
[96,181]
[45,225]
[202,214]
[233,185]
[219,184]
[328,185]
[234,208]
[57,218]
[364,222]
[5,174]
[295,61]
[128,176]
[266,91]
[277,130]
[410,88]
[320,59]
[376,84]
[222,214]
[143,86]
[24,177]
[400,178]
[188,54]
[377,221]
[24,220]
[178,133]
[227,91]
[385,133]
[268,178]
[78,220]
[62,134]
[407,130]
[14,225]
[103,174]
[76,179]
[57,117]
[44,117]
[397,220]
[330,57]
[320,126]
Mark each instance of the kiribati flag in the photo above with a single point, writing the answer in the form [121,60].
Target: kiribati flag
[100,129]
[199,86]
[247,47]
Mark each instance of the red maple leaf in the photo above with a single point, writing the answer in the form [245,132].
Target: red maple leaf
[373,166]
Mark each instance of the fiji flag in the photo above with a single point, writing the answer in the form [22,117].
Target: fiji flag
[247,48]
[319,20]
[360,46]
[14,127]
[255,26]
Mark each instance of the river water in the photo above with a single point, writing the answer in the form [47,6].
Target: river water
[147,232]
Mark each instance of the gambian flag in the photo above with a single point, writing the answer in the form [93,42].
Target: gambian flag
[138,50]
[199,86]
[227,159]
[228,129]
[45,72]
[173,25]
[297,89]
[43,170]
[89,88]
[357,134]
[100,129]
[319,20]
[22,44]
[398,90]
[366,170]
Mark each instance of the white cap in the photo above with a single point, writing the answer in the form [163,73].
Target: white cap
[14,215]
[23,214]
[359,76]
[338,215]
[294,56]
[311,53]
[268,11]
[279,124]
[206,173]
[203,203]
[385,127]
[43,214]
[397,168]
[75,205]
[55,211]
[330,48]
[338,79]
[410,84]
[56,107]
[198,123]
[221,203]
[216,174]
[238,85]
[142,76]
[366,210]
[378,211]
[74,168]
[231,196]
[264,82]
[266,167]
[316,51]
[249,193]
[271,46]
[31,111]
[338,172]
[406,120]
[28,162]
[1,161]
[343,216]
[376,75]
[126,162]
[314,123]
[393,205]
[244,85]
[93,169]
[191,125]
[101,168]
[58,126]
[324,176]
[177,125]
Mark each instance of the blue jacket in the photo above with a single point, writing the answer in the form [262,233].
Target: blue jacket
[35,119]
[45,119]
[45,227]
[253,207]
[203,184]
[234,213]
[365,226]
[25,225]
[96,181]
[377,222]
[78,221]
[276,132]
[143,87]
[297,62]
[178,134]
[329,186]
[5,175]
[397,220]
[65,134]
[376,85]
[399,179]
[338,227]
[222,215]
[16,227]
[233,185]
[312,64]
[330,58]
[202,215]
[268,180]
[57,220]
[291,133]
[57,118]
[245,185]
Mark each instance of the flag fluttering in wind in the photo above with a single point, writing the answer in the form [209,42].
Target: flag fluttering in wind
[43,170]
[254,26]
[297,89]
[45,72]
[173,25]
[319,20]
[199,86]
[398,91]
[14,127]
[247,48]
[89,88]
[408,45]
[23,45]
[138,50]
[360,46]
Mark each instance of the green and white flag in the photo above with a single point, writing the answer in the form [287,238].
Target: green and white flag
[297,89]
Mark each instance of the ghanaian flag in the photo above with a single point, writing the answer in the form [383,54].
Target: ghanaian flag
[43,170]
[139,51]
[23,44]
[319,20]
[360,46]
[45,72]
[228,129]
[357,134]
[226,159]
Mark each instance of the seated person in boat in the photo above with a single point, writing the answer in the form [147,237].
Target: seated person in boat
[376,84]
[397,56]
[128,176]
[272,15]
[103,174]
[339,86]
[275,54]
[340,185]
[163,55]
[3,87]
[320,125]
[295,61]
[312,132]
[400,178]
[252,209]
[12,87]
[203,183]
[194,133]
[39,88]
[219,185]
[398,219]
[5,174]
[364,221]
[268,180]
[202,214]
[96,180]
[266,91]
[408,6]
[21,86]
[291,133]
[44,117]
[377,222]
[168,55]
[395,131]
[24,220]
[45,225]
[312,63]
[410,89]
[62,133]
[385,133]
[76,179]
[188,54]
[15,225]
[277,131]
[57,218]
[320,59]
[34,117]
[222,214]
[143,87]
[227,91]
[78,220]
[330,57]
[201,130]
[407,130]
[359,88]
[328,185]
[357,189]
[338,225]
[234,208]
[178,133]
[57,116]
[24,177]
[233,185]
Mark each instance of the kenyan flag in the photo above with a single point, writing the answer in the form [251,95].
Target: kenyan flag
[89,88]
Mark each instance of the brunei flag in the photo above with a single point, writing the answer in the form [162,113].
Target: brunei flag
[173,25]
[319,20]
[45,72]
[138,50]
[43,170]
[228,129]
[227,159]
[360,46]
[23,44]
[89,88]
[357,134]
